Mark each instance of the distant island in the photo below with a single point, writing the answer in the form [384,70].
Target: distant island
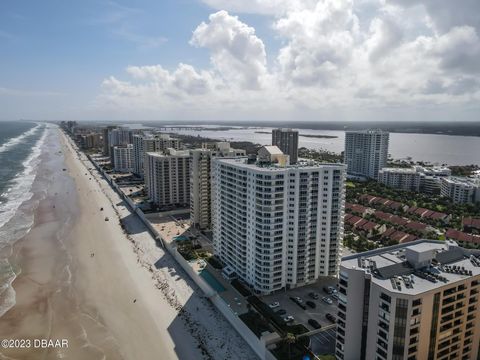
[304,135]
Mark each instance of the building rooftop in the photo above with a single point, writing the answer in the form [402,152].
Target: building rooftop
[462,181]
[418,266]
[399,170]
[244,163]
[171,152]
[367,131]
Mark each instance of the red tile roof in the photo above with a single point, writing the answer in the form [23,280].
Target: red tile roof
[462,237]
[415,225]
[471,222]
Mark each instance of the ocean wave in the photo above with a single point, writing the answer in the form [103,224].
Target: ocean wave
[7,293]
[20,189]
[17,140]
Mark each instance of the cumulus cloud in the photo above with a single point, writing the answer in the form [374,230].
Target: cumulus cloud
[334,54]
[236,52]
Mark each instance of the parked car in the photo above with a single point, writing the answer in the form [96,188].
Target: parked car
[332,289]
[311,304]
[330,317]
[274,305]
[327,300]
[298,301]
[313,295]
[335,295]
[314,323]
[327,290]
[281,312]
[288,318]
[106,218]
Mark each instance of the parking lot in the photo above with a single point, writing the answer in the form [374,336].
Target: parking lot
[323,342]
[300,315]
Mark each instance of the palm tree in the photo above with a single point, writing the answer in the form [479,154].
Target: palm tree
[289,340]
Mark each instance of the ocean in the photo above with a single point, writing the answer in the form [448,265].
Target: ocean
[20,150]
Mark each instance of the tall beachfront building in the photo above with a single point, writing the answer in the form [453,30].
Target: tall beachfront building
[148,142]
[366,152]
[411,301]
[123,158]
[200,184]
[287,141]
[167,177]
[277,225]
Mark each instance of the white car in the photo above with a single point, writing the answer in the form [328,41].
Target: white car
[327,300]
[274,305]
[298,299]
[288,318]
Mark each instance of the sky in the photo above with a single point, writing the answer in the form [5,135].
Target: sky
[200,60]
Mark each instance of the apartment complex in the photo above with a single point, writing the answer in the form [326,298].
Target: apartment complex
[200,184]
[148,142]
[400,178]
[123,158]
[277,225]
[412,301]
[461,190]
[366,152]
[287,141]
[167,177]
[416,178]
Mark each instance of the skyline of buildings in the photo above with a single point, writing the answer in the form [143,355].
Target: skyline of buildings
[279,226]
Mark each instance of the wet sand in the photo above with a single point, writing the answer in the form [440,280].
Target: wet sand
[111,296]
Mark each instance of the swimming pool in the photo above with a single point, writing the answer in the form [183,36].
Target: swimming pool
[210,279]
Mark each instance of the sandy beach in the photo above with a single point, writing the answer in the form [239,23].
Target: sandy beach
[111,294]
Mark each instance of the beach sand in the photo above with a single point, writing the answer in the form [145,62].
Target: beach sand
[111,295]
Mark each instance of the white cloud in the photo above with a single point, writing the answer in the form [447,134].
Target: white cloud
[236,52]
[335,54]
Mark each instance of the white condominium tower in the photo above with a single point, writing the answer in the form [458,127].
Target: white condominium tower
[200,184]
[150,143]
[167,177]
[414,301]
[287,141]
[277,225]
[366,152]
[122,158]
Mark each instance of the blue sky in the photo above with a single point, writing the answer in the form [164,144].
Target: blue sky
[290,59]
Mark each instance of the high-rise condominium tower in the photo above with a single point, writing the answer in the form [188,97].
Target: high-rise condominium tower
[277,225]
[366,152]
[287,141]
[410,301]
[200,180]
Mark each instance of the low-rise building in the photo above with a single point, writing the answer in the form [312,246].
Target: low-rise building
[471,225]
[464,239]
[416,178]
[417,300]
[461,190]
[400,178]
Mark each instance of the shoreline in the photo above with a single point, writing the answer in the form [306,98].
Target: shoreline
[187,321]
[111,295]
